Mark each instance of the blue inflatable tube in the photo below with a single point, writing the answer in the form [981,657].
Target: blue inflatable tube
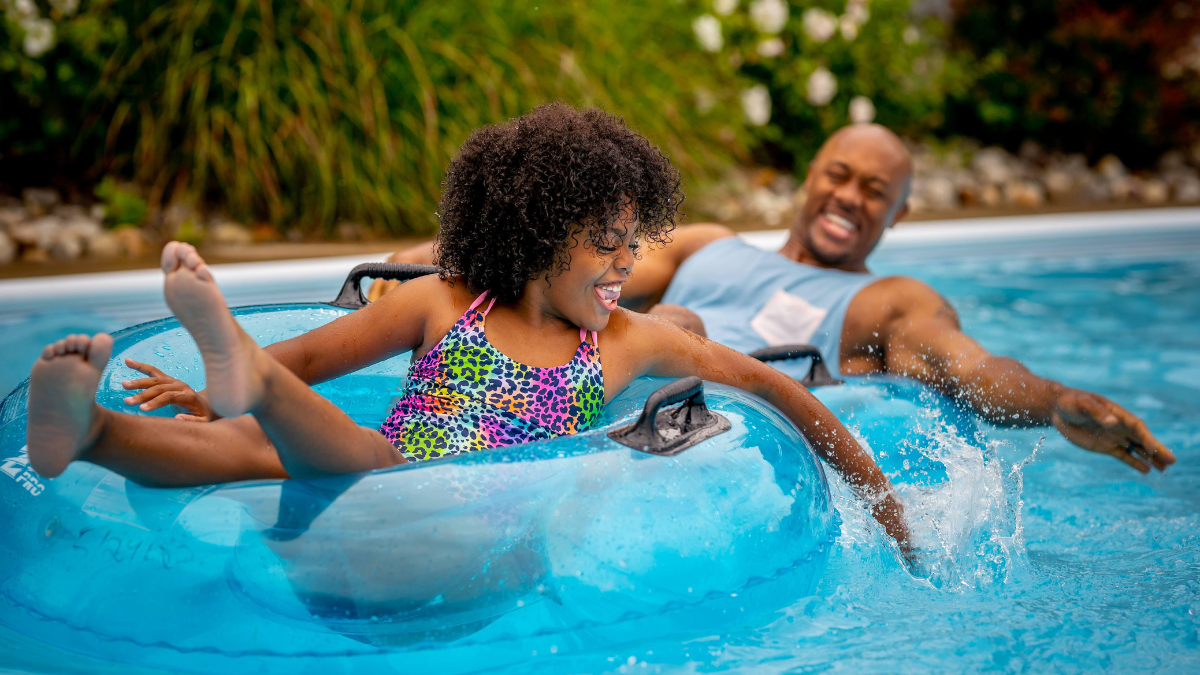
[456,564]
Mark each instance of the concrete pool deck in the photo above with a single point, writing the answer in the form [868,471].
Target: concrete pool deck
[1128,232]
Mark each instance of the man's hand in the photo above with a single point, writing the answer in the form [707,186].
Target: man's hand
[161,389]
[1095,423]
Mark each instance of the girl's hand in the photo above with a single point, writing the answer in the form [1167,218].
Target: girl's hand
[160,390]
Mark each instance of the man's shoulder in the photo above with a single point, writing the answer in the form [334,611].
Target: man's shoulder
[897,295]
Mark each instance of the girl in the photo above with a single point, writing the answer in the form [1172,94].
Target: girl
[541,220]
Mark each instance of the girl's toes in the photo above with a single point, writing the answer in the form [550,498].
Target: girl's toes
[99,348]
[170,256]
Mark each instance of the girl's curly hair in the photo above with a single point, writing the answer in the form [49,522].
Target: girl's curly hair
[519,194]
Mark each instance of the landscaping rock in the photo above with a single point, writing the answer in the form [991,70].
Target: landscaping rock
[229,234]
[105,247]
[992,166]
[39,201]
[133,242]
[65,246]
[350,232]
[1026,194]
[1154,191]
[11,216]
[37,233]
[8,249]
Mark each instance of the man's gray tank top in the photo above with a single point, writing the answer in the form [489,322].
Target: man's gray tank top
[750,298]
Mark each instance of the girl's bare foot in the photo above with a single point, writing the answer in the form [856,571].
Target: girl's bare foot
[63,418]
[234,384]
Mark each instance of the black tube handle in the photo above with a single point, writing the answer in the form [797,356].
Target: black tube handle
[351,297]
[669,432]
[818,375]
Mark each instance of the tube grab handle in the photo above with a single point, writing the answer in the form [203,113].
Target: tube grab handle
[818,375]
[351,297]
[670,432]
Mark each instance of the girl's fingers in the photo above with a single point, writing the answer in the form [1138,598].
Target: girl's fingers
[144,368]
[147,394]
[191,418]
[162,400]
[144,383]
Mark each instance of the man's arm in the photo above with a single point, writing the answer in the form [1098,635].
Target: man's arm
[921,338]
[421,254]
[654,270]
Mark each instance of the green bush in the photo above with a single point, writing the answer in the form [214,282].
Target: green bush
[1091,76]
[826,54]
[308,113]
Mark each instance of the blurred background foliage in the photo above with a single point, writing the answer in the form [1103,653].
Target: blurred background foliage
[307,113]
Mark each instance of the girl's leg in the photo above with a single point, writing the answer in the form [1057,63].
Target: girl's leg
[312,436]
[65,424]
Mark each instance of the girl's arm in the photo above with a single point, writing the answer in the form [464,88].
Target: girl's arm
[669,351]
[395,324]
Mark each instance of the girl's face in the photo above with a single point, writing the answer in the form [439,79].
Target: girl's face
[586,293]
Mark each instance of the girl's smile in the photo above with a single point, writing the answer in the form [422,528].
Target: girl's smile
[609,293]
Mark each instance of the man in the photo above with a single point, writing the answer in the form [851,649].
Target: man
[817,290]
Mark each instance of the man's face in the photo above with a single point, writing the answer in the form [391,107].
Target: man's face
[854,188]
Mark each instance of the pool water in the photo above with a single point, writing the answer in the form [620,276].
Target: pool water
[1043,557]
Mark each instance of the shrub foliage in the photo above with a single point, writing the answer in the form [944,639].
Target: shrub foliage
[311,112]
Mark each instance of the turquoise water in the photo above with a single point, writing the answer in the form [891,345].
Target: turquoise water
[1046,558]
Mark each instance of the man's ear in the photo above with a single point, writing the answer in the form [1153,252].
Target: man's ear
[900,215]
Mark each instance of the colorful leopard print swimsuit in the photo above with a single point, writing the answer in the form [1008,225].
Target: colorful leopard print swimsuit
[465,395]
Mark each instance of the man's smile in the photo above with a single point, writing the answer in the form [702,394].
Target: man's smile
[838,227]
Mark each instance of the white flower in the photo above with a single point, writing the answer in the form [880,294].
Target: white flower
[19,10]
[769,16]
[862,111]
[39,36]
[724,7]
[822,86]
[756,105]
[65,7]
[770,48]
[819,25]
[708,32]
[857,11]
[911,34]
[849,27]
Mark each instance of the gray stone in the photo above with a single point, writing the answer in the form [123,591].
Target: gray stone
[39,201]
[1027,194]
[12,215]
[1062,185]
[940,193]
[65,246]
[1154,191]
[8,249]
[1123,187]
[1187,188]
[229,234]
[69,211]
[990,196]
[1173,160]
[1031,152]
[1111,167]
[106,246]
[38,233]
[992,165]
[133,242]
[97,212]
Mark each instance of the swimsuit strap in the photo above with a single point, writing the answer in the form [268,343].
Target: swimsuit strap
[479,300]
[583,336]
